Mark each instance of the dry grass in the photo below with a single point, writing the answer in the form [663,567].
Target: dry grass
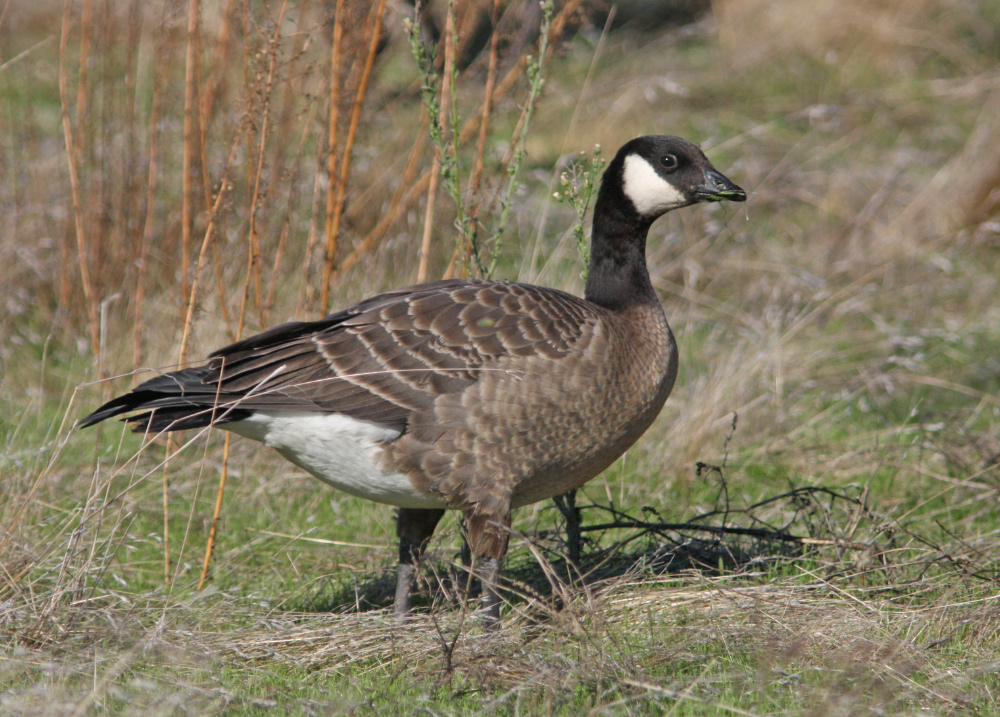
[848,318]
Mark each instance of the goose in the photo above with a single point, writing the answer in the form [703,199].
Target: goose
[464,394]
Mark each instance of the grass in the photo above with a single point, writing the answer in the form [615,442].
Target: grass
[839,378]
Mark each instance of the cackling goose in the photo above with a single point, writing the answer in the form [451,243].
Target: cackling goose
[479,396]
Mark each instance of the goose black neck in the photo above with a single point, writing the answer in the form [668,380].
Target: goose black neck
[617,277]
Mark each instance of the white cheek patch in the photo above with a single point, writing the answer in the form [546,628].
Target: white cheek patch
[651,194]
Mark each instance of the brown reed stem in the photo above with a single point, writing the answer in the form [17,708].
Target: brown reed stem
[484,122]
[166,510]
[191,58]
[214,84]
[206,241]
[86,31]
[74,179]
[159,80]
[445,105]
[220,286]
[286,224]
[84,137]
[306,290]
[468,128]
[207,96]
[345,163]
[425,241]
[131,188]
[413,191]
[205,118]
[265,124]
[293,85]
[405,193]
[331,167]
[449,271]
[254,251]
[205,100]
[210,545]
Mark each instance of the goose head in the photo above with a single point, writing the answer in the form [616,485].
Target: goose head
[659,173]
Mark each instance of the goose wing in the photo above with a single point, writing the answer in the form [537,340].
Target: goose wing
[380,361]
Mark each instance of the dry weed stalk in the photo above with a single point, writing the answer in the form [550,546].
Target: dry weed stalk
[276,277]
[330,236]
[214,86]
[90,297]
[191,59]
[333,228]
[253,261]
[484,115]
[438,114]
[415,189]
[146,237]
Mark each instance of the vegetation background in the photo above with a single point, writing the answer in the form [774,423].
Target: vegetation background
[175,175]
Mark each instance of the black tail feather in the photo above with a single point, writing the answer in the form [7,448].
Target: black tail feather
[180,400]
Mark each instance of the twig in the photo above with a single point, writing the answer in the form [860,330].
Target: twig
[761,533]
[407,193]
[207,97]
[265,125]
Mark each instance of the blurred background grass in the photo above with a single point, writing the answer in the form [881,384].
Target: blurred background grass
[847,316]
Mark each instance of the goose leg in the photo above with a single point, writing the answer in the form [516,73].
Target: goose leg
[488,570]
[489,534]
[414,526]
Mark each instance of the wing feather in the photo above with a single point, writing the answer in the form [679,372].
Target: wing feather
[381,360]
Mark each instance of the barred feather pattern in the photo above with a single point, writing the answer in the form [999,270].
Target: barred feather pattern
[505,393]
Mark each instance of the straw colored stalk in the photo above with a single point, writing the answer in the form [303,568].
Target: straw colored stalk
[484,122]
[286,224]
[90,298]
[445,105]
[331,168]
[254,253]
[159,81]
[345,164]
[190,61]
[253,238]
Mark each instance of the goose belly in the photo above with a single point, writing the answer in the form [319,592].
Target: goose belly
[341,451]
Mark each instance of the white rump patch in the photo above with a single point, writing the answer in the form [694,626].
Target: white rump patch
[651,194]
[338,450]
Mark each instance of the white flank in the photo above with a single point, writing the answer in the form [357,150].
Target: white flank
[338,450]
[651,194]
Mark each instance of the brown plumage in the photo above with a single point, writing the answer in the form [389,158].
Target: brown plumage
[479,396]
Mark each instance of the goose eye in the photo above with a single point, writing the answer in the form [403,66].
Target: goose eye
[668,162]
